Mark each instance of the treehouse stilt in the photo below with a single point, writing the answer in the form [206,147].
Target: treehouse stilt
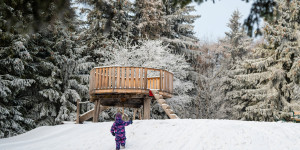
[128,87]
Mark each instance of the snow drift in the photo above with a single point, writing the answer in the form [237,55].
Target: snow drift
[184,134]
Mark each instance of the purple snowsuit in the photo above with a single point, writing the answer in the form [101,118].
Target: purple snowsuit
[118,130]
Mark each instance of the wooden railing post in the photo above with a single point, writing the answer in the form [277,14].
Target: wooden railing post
[127,77]
[106,78]
[110,77]
[141,78]
[136,78]
[113,78]
[103,78]
[160,81]
[118,77]
[98,78]
[172,84]
[132,77]
[146,79]
[167,82]
[93,77]
[123,78]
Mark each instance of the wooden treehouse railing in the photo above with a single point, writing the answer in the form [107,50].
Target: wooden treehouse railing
[104,80]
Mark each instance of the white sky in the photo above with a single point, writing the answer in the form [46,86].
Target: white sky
[215,16]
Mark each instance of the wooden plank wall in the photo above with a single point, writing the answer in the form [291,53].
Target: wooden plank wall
[129,78]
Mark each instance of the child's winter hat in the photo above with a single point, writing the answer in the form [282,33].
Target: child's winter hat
[118,116]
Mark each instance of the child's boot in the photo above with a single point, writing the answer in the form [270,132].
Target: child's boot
[122,147]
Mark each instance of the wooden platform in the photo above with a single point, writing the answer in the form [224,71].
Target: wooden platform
[128,86]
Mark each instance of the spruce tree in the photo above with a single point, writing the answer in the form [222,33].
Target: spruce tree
[32,15]
[38,84]
[266,87]
[106,22]
[57,88]
[15,79]
[238,43]
[149,18]
[179,31]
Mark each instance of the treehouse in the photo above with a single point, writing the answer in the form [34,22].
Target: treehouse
[131,87]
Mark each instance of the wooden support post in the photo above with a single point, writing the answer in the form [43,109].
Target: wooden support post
[147,106]
[134,113]
[98,111]
[95,111]
[140,114]
[78,112]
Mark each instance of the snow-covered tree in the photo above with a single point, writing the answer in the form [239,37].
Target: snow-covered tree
[122,24]
[267,86]
[149,18]
[15,78]
[56,88]
[238,43]
[32,15]
[214,65]
[106,22]
[179,31]
[38,81]
[211,65]
[18,63]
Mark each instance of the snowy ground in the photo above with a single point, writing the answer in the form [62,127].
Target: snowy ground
[184,134]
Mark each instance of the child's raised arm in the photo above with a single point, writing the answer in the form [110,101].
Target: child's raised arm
[126,123]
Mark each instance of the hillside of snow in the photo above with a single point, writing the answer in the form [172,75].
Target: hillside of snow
[183,134]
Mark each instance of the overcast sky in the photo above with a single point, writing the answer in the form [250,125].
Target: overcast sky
[215,16]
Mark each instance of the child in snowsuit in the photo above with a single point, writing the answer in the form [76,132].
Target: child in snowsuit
[118,130]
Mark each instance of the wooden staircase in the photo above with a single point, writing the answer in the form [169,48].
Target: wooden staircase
[89,114]
[164,105]
[83,117]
